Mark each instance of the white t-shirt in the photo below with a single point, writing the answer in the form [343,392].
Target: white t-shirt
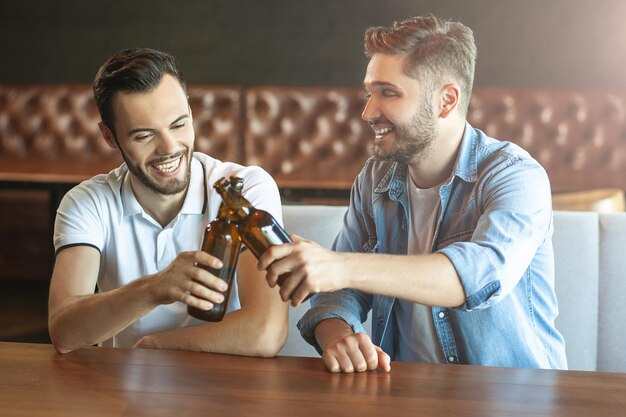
[103,212]
[416,339]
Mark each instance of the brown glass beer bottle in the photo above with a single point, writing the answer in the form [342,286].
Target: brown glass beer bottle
[258,229]
[222,240]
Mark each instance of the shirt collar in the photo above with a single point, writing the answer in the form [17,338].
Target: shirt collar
[129,201]
[195,200]
[465,167]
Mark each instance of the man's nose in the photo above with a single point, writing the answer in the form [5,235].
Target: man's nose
[167,144]
[370,112]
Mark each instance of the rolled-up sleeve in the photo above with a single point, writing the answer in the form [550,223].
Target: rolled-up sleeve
[515,220]
[348,305]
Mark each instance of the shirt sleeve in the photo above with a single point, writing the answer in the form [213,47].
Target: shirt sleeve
[78,220]
[516,220]
[260,189]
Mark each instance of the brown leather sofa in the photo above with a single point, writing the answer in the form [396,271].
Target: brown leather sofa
[314,137]
[312,140]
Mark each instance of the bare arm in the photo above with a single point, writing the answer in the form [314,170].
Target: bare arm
[78,317]
[259,328]
[424,279]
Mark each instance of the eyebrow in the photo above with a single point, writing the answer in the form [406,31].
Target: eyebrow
[380,84]
[147,129]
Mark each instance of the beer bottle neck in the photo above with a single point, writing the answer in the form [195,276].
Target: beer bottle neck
[236,207]
[230,190]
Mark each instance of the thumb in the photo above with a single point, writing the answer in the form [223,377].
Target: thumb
[297,238]
[384,361]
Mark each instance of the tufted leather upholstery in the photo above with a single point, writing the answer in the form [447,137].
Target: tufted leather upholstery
[54,129]
[307,135]
[578,136]
[315,136]
[217,120]
[51,128]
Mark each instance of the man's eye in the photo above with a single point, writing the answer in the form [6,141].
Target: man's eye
[389,93]
[179,125]
[142,138]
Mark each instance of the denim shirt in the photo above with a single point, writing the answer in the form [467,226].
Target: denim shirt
[495,226]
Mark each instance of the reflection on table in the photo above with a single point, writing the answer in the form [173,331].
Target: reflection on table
[35,381]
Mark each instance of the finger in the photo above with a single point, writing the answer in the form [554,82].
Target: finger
[273,278]
[298,238]
[272,254]
[300,295]
[371,356]
[384,360]
[344,361]
[203,258]
[201,276]
[278,271]
[198,303]
[331,362]
[200,291]
[289,284]
[358,360]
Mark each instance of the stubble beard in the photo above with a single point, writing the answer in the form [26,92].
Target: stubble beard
[173,186]
[414,141]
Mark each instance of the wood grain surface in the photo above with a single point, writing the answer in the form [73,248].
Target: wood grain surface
[36,381]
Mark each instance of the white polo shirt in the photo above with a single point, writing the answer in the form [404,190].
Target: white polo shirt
[103,212]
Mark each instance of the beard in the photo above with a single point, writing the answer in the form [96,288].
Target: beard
[414,140]
[173,186]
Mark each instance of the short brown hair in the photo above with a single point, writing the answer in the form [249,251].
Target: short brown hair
[134,70]
[436,50]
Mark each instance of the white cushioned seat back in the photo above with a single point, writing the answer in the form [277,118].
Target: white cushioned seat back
[576,256]
[612,294]
[320,224]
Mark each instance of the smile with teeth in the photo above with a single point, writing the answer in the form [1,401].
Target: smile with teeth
[169,167]
[380,132]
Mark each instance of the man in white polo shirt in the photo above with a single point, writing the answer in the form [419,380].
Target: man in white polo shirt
[135,232]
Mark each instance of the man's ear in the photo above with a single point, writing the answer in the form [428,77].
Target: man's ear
[449,99]
[108,136]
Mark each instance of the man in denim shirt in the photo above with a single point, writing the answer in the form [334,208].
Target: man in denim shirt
[448,237]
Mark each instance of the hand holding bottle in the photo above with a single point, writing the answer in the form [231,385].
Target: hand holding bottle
[222,240]
[301,268]
[183,280]
[238,222]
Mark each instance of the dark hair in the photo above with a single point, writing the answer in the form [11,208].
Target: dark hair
[436,51]
[131,70]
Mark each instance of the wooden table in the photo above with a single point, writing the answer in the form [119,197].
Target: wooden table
[35,381]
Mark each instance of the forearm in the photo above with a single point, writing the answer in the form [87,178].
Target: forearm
[86,320]
[239,333]
[424,279]
[258,328]
[330,330]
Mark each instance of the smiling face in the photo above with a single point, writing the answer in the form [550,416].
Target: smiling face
[154,132]
[399,110]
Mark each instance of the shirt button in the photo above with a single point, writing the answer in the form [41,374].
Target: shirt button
[451,359]
[380,320]
[441,314]
[403,226]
